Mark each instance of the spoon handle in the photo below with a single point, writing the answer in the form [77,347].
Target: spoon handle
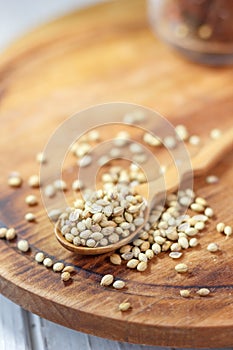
[205,159]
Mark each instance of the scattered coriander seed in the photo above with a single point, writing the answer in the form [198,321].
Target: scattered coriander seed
[124,306]
[82,149]
[203,292]
[212,247]
[220,227]
[182,132]
[107,280]
[31,200]
[200,225]
[47,262]
[60,185]
[3,231]
[115,259]
[193,242]
[40,158]
[10,234]
[85,161]
[209,212]
[169,142]
[228,230]
[54,214]
[132,263]
[181,268]
[93,135]
[65,276]
[212,179]
[69,269]
[202,201]
[175,255]
[185,293]
[15,181]
[194,140]
[215,134]
[118,284]
[58,266]
[30,217]
[23,245]
[77,185]
[39,257]
[142,266]
[50,191]
[151,140]
[197,207]
[34,181]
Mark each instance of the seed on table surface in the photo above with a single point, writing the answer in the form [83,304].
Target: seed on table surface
[142,257]
[194,140]
[215,134]
[200,217]
[15,180]
[185,293]
[182,132]
[132,263]
[220,227]
[213,247]
[151,139]
[115,259]
[156,248]
[118,284]
[125,249]
[85,161]
[203,292]
[69,269]
[65,276]
[228,230]
[192,231]
[40,158]
[48,262]
[107,280]
[34,181]
[144,246]
[31,200]
[193,242]
[175,255]
[3,231]
[169,142]
[124,306]
[175,247]
[77,185]
[183,242]
[212,179]
[54,214]
[50,191]
[39,257]
[209,212]
[10,234]
[149,254]
[181,268]
[127,256]
[142,266]
[200,225]
[58,266]
[60,185]
[30,217]
[23,245]
[93,135]
[197,207]
[202,201]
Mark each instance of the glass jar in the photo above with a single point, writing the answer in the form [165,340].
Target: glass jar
[200,29]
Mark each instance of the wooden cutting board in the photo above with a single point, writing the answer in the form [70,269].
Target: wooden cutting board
[102,54]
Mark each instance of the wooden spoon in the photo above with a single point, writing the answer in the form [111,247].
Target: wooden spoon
[204,160]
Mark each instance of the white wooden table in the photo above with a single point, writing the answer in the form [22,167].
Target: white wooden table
[20,329]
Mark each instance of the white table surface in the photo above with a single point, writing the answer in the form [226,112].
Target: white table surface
[20,329]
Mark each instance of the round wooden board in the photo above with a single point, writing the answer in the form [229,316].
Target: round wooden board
[102,54]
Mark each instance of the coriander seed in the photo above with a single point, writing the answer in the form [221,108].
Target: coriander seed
[23,245]
[31,200]
[203,292]
[181,268]
[118,284]
[107,280]
[39,257]
[185,293]
[124,306]
[65,276]
[10,234]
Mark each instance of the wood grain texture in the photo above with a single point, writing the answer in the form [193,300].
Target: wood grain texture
[99,55]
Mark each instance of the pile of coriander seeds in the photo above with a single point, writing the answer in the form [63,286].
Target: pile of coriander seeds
[103,217]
